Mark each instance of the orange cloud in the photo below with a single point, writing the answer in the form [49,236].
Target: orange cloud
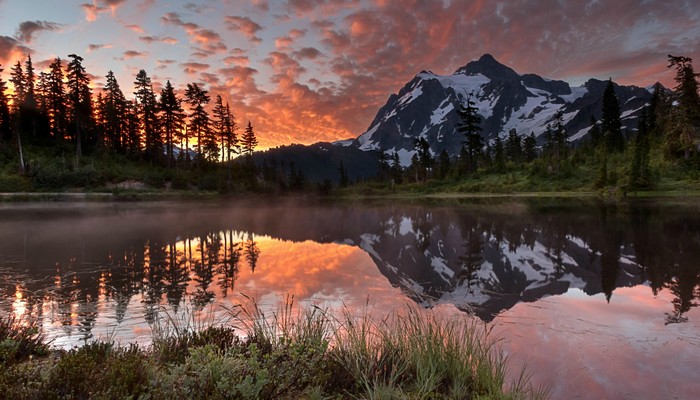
[245,25]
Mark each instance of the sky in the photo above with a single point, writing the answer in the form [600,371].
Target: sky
[304,71]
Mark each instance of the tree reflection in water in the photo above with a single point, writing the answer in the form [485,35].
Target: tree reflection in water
[482,256]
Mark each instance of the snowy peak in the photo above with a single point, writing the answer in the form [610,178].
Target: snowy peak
[426,107]
[490,68]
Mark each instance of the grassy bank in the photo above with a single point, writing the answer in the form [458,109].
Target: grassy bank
[289,354]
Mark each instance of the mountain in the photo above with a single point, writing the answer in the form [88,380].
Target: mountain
[426,107]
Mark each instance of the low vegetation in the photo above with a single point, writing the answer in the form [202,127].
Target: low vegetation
[292,353]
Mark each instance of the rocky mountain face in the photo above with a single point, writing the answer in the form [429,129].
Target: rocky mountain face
[426,107]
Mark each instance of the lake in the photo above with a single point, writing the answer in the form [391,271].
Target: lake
[599,299]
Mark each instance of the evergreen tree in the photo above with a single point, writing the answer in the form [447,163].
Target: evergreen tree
[172,117]
[611,125]
[343,181]
[514,147]
[561,137]
[248,141]
[5,124]
[18,82]
[396,170]
[640,173]
[29,104]
[530,147]
[444,163]
[499,158]
[224,125]
[199,118]
[80,102]
[114,113]
[425,159]
[383,165]
[230,137]
[131,130]
[595,133]
[56,99]
[683,134]
[147,111]
[468,125]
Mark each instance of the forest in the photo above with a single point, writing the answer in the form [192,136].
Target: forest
[57,135]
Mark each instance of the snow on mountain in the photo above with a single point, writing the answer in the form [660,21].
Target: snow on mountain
[426,107]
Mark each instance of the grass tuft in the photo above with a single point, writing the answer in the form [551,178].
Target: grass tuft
[292,352]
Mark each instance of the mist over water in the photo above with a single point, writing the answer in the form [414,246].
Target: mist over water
[599,299]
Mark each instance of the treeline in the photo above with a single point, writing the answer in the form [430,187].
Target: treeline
[668,131]
[55,111]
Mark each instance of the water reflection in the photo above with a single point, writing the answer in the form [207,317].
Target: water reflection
[75,264]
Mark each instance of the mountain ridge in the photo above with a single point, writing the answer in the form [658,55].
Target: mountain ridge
[426,107]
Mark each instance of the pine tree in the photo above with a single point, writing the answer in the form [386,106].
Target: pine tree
[248,141]
[114,114]
[5,124]
[147,111]
[499,159]
[199,118]
[683,134]
[80,102]
[343,181]
[224,128]
[611,126]
[56,99]
[425,159]
[445,163]
[640,173]
[232,146]
[530,147]
[514,147]
[383,165]
[396,169]
[171,120]
[595,133]
[468,125]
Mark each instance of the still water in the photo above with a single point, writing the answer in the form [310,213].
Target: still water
[598,299]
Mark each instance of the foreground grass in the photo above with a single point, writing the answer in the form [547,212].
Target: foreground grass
[411,354]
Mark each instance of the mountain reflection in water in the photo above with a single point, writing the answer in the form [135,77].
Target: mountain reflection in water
[88,270]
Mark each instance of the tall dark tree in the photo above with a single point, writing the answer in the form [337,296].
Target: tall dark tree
[248,141]
[197,98]
[172,117]
[425,158]
[610,125]
[529,147]
[499,155]
[514,147]
[5,125]
[468,125]
[383,165]
[343,181]
[684,131]
[113,113]
[80,103]
[230,138]
[396,169]
[18,81]
[56,98]
[595,133]
[640,173]
[444,164]
[147,111]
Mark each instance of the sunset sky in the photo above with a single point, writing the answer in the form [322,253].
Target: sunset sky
[318,70]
